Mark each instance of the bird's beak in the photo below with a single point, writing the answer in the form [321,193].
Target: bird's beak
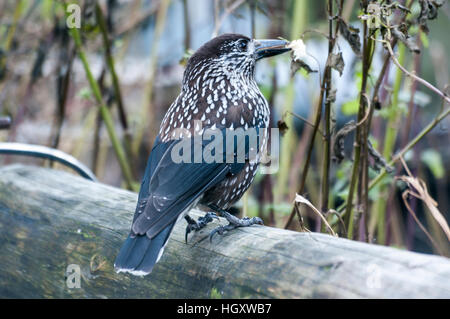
[267,48]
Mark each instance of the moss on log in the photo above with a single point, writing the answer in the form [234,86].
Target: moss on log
[50,219]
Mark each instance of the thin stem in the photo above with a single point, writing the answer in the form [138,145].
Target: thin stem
[376,90]
[308,156]
[410,145]
[67,55]
[411,104]
[228,11]
[304,120]
[349,213]
[252,17]
[187,29]
[115,79]
[415,77]
[98,125]
[324,195]
[104,111]
[281,189]
[405,149]
[389,143]
[111,66]
[144,116]
[11,32]
[317,120]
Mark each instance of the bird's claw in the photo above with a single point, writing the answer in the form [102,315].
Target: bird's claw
[208,217]
[235,223]
[221,230]
[199,224]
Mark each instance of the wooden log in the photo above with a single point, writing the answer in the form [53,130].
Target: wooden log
[51,219]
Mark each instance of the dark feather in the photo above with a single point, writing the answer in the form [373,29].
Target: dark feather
[167,190]
[173,187]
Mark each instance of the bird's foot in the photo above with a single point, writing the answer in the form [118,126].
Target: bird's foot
[234,222]
[199,224]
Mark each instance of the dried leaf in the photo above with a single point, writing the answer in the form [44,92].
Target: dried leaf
[419,190]
[339,139]
[303,200]
[379,161]
[300,59]
[397,5]
[336,62]
[351,34]
[405,195]
[297,65]
[428,11]
[403,36]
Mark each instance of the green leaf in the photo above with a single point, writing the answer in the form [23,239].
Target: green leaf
[433,160]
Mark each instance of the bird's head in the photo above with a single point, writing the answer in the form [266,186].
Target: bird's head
[231,54]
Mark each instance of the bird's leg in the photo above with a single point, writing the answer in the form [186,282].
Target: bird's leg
[234,222]
[199,224]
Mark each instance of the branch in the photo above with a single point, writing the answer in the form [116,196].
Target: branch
[227,12]
[415,77]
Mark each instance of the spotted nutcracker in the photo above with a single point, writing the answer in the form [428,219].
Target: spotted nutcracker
[219,92]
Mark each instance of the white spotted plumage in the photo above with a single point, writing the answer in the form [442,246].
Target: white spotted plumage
[219,92]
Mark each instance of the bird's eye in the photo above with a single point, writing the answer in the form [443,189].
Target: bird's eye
[243,45]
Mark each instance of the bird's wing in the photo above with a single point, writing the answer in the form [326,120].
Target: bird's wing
[169,188]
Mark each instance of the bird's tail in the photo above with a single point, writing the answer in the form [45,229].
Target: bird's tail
[139,253]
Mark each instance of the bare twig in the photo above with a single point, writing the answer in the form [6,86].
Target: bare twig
[419,190]
[369,108]
[111,66]
[145,116]
[405,149]
[326,159]
[309,154]
[312,136]
[106,115]
[228,10]
[304,120]
[187,29]
[136,21]
[349,216]
[63,83]
[405,195]
[415,77]
[115,79]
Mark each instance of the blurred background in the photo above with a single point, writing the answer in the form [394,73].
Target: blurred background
[136,50]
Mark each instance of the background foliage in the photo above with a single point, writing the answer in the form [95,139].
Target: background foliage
[100,92]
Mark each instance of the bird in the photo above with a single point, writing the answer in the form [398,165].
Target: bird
[219,92]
